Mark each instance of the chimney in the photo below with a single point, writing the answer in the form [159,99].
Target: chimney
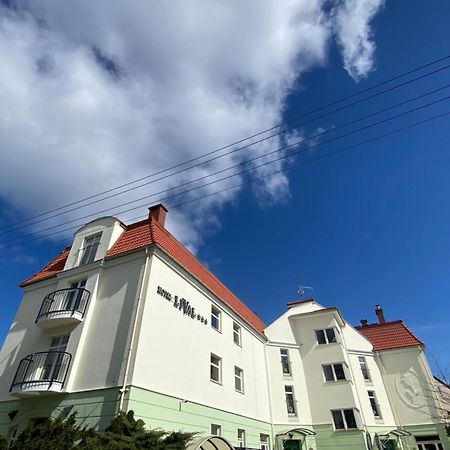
[379,313]
[364,322]
[158,213]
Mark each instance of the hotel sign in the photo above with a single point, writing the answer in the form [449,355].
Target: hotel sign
[182,305]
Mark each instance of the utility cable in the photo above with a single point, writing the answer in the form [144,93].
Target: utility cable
[243,140]
[234,166]
[246,170]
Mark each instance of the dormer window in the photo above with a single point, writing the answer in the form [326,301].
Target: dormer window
[89,250]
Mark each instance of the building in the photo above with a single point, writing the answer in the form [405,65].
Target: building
[127,318]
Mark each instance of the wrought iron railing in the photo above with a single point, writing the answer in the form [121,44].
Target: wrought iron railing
[73,300]
[42,369]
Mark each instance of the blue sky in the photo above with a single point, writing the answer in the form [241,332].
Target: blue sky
[365,227]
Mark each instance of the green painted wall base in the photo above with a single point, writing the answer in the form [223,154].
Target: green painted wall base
[95,409]
[170,413]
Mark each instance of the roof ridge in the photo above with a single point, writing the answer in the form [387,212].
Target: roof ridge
[392,322]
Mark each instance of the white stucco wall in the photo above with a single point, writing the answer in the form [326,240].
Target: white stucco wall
[104,344]
[409,385]
[24,336]
[173,355]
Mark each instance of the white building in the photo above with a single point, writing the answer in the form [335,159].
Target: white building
[127,318]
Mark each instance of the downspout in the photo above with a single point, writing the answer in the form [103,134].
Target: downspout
[131,348]
[269,394]
[363,416]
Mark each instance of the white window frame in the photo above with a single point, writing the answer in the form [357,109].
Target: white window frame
[375,407]
[284,354]
[289,393]
[327,339]
[90,251]
[264,441]
[217,366]
[333,370]
[216,313]
[364,368]
[238,378]
[216,429]
[341,411]
[237,334]
[241,438]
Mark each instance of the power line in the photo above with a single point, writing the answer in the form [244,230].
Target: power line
[421,67]
[215,158]
[290,167]
[243,171]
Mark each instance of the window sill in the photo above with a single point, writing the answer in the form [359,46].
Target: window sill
[239,392]
[346,430]
[217,329]
[216,382]
[336,382]
[239,345]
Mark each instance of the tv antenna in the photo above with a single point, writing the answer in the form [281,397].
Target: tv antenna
[301,289]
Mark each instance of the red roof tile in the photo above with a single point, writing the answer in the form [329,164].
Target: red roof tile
[389,335]
[51,269]
[150,232]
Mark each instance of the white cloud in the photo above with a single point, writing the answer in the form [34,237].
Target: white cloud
[355,36]
[97,94]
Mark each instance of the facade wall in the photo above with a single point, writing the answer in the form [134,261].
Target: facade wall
[95,409]
[171,413]
[409,385]
[24,336]
[174,350]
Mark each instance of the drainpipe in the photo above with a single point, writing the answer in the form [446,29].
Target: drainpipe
[269,394]
[352,373]
[142,292]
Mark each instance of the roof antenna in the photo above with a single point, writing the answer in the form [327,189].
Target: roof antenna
[301,289]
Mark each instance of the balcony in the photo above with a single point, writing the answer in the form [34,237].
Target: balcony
[62,307]
[41,373]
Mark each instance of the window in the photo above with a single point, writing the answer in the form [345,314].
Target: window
[216,430]
[285,363]
[75,295]
[241,438]
[264,440]
[237,335]
[53,363]
[326,336]
[89,250]
[216,368]
[334,372]
[364,368]
[215,318]
[344,419]
[59,343]
[374,404]
[290,400]
[238,379]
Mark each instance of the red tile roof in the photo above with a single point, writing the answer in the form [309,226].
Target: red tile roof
[150,232]
[51,269]
[389,335]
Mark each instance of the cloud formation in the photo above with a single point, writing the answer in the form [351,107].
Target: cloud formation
[355,36]
[95,95]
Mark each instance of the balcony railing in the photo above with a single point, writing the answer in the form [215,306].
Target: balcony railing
[64,303]
[42,371]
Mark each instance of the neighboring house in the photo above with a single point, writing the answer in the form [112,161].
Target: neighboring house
[127,318]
